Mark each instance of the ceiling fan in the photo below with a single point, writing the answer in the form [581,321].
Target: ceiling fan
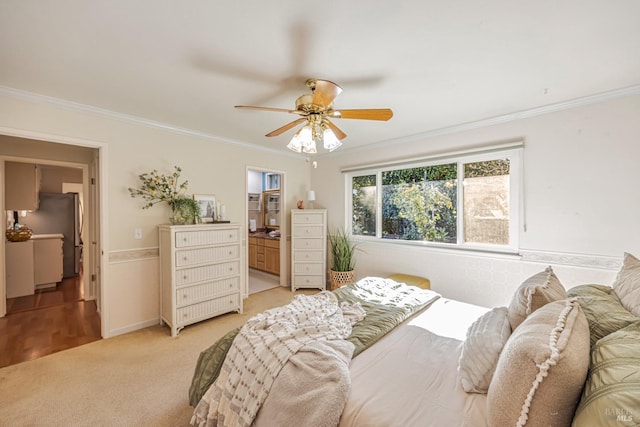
[315,110]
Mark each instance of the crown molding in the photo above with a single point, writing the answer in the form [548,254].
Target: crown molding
[533,112]
[112,115]
[126,118]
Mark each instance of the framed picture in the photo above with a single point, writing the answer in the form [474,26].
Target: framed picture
[207,204]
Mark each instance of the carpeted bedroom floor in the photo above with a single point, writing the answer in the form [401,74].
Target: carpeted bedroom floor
[137,379]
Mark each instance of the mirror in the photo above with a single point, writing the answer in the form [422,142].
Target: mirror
[271,201]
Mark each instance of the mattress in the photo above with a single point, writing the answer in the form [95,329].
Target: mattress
[410,376]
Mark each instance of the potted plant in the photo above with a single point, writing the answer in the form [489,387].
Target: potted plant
[342,258]
[184,210]
[157,188]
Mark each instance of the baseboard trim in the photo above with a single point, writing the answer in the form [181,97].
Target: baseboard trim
[134,327]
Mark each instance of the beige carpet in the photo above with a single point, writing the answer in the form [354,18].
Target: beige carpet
[137,379]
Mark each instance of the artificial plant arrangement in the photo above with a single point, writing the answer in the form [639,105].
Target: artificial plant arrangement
[158,188]
[342,258]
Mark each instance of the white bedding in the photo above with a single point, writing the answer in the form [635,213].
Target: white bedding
[410,377]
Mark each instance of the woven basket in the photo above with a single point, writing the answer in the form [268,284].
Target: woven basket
[340,278]
[21,235]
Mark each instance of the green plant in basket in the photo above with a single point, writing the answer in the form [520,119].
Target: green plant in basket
[342,250]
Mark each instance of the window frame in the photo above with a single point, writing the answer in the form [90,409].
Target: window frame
[514,154]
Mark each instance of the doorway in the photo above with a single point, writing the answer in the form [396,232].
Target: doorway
[266,229]
[73,304]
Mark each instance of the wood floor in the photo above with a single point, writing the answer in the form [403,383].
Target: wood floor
[47,322]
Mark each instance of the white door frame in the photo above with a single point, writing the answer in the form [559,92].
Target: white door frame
[100,240]
[284,274]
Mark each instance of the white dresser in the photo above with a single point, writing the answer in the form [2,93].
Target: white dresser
[201,273]
[308,248]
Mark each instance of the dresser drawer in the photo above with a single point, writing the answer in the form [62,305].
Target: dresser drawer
[307,268]
[190,294]
[308,282]
[308,230]
[300,243]
[206,237]
[206,309]
[200,256]
[308,256]
[308,218]
[207,272]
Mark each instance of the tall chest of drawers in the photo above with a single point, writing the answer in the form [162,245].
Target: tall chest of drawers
[308,248]
[201,273]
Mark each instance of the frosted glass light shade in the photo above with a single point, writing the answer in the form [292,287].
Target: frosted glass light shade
[311,195]
[302,137]
[331,142]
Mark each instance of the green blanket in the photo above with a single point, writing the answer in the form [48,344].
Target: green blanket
[386,302]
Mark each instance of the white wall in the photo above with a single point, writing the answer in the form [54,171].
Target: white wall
[581,202]
[210,166]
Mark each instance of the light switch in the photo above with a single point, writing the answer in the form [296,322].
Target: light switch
[137,234]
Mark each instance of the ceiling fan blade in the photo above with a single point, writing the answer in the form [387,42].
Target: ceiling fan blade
[336,130]
[287,127]
[279,110]
[383,114]
[325,92]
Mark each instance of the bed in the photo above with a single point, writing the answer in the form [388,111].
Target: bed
[551,357]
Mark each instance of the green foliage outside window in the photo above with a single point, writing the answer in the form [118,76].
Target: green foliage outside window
[420,203]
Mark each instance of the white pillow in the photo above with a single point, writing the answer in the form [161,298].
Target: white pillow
[481,350]
[627,284]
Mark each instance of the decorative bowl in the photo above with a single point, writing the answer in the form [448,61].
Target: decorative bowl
[20,235]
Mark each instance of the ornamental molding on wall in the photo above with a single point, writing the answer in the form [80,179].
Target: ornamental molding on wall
[128,255]
[576,260]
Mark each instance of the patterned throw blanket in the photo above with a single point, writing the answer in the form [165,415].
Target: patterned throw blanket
[262,348]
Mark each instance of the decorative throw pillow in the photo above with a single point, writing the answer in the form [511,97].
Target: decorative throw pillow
[542,369]
[603,309]
[533,293]
[481,349]
[610,396]
[627,284]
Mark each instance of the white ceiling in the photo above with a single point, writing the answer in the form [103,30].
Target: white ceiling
[436,64]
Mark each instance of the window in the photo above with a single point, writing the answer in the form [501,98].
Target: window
[468,201]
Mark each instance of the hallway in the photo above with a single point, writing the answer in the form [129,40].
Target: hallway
[47,322]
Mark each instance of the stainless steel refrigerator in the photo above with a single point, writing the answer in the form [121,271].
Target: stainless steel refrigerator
[60,213]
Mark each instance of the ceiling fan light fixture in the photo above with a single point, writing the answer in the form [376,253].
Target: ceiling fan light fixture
[298,141]
[330,140]
[316,108]
[309,147]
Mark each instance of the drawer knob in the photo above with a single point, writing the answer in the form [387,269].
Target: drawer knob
[184,259]
[230,252]
[185,277]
